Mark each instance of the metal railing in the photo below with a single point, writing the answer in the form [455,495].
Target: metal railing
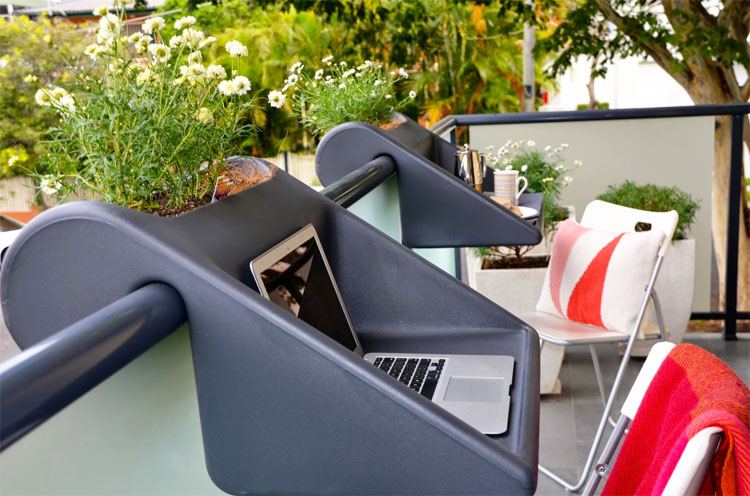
[737,111]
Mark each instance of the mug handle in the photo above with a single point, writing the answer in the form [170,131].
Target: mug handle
[525,184]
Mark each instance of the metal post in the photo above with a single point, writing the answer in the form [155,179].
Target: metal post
[286,162]
[529,38]
[733,230]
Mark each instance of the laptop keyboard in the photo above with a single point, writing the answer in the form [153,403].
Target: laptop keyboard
[420,374]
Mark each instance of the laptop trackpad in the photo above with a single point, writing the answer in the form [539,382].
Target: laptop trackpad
[475,389]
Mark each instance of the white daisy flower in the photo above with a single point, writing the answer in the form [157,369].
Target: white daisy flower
[343,64]
[412,94]
[67,103]
[318,74]
[217,72]
[388,97]
[342,85]
[547,148]
[227,87]
[348,73]
[135,37]
[292,79]
[524,168]
[236,49]
[12,161]
[57,93]
[563,145]
[276,99]
[505,161]
[159,52]
[153,24]
[508,167]
[547,179]
[204,116]
[142,45]
[207,42]
[145,76]
[184,22]
[531,143]
[49,186]
[560,167]
[91,51]
[241,85]
[30,78]
[578,163]
[327,58]
[176,41]
[568,179]
[195,58]
[101,10]
[193,37]
[402,72]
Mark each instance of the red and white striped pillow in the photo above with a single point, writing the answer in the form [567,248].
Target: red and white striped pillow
[598,277]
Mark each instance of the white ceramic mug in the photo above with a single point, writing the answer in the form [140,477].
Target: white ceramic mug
[507,185]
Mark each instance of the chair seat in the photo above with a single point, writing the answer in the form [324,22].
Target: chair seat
[566,332]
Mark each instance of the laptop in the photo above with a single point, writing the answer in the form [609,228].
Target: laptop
[296,276]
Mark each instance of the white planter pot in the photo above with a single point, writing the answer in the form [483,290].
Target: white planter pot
[674,286]
[516,290]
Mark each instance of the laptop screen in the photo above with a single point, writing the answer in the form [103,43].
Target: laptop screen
[300,284]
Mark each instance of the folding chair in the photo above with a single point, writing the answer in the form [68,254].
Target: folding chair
[687,476]
[556,332]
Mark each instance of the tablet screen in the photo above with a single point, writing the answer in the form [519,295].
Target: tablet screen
[301,284]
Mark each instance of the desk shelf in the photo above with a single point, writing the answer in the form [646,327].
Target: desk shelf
[283,408]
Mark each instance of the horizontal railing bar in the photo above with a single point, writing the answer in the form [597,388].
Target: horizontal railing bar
[52,374]
[359,182]
[597,115]
[717,315]
[444,125]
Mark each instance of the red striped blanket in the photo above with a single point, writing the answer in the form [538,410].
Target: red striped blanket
[693,389]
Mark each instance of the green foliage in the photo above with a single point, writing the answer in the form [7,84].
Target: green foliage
[462,57]
[656,199]
[335,94]
[673,34]
[27,56]
[151,126]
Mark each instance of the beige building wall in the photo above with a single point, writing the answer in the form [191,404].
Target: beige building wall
[670,152]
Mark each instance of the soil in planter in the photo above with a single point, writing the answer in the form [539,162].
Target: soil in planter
[236,178]
[527,262]
[164,211]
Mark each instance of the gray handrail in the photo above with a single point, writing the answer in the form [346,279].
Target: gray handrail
[359,182]
[47,377]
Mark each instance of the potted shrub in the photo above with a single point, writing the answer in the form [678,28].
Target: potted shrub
[676,280]
[150,126]
[493,270]
[337,93]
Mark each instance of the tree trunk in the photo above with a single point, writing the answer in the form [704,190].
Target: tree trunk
[719,217]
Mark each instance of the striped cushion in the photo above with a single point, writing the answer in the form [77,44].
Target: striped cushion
[598,277]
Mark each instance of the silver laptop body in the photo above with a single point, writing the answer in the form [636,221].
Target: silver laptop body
[295,275]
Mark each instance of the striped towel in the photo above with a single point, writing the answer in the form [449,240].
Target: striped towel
[692,390]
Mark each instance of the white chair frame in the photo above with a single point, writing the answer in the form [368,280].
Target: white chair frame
[607,216]
[691,469]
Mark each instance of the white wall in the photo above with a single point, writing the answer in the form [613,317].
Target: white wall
[670,152]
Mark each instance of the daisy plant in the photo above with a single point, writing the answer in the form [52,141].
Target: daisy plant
[149,127]
[336,93]
[547,172]
[545,169]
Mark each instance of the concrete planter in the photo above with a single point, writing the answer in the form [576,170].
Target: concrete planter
[674,286]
